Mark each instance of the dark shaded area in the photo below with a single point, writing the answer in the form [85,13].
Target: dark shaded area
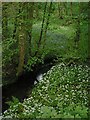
[18,89]
[24,83]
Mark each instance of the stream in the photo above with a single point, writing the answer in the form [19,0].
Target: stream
[23,86]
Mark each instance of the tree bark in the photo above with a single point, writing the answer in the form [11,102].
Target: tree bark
[65,7]
[15,28]
[40,38]
[30,9]
[60,10]
[47,23]
[71,9]
[22,39]
[78,31]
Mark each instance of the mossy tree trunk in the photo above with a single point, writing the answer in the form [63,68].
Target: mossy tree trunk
[41,33]
[71,9]
[65,8]
[78,31]
[21,39]
[47,23]
[25,21]
[30,10]
[60,10]
[15,28]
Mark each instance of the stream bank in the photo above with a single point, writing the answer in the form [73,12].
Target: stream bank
[24,84]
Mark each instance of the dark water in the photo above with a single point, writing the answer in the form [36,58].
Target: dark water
[18,89]
[22,86]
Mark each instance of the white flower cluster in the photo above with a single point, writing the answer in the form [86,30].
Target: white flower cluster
[61,86]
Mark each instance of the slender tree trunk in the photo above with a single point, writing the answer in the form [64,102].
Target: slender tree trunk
[47,23]
[40,38]
[30,19]
[71,9]
[60,10]
[65,7]
[15,28]
[78,31]
[29,8]
[22,39]
[37,11]
[15,20]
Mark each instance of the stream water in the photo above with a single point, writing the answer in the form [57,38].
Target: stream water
[22,86]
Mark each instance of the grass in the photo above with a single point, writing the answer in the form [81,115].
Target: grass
[56,40]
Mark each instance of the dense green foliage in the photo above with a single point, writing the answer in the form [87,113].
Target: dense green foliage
[62,93]
[33,33]
[61,34]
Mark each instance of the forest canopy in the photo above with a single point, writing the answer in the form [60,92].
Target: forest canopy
[27,29]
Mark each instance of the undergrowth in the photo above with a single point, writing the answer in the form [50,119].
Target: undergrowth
[62,93]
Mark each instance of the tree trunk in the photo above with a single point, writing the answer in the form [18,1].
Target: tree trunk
[22,39]
[14,6]
[15,28]
[40,38]
[30,9]
[65,7]
[37,11]
[78,31]
[71,9]
[60,10]
[47,23]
